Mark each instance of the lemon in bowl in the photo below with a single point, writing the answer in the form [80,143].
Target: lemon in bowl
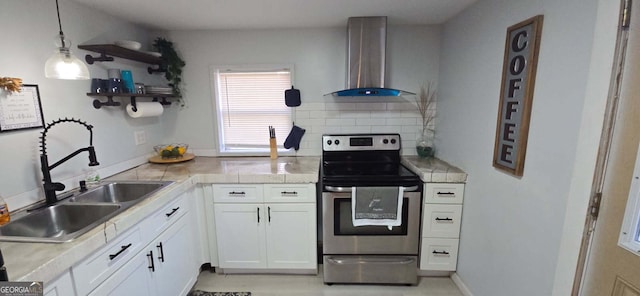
[171,150]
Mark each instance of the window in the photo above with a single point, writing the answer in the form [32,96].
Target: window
[248,101]
[630,232]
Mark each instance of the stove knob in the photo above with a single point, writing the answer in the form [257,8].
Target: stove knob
[328,142]
[385,141]
[393,141]
[337,142]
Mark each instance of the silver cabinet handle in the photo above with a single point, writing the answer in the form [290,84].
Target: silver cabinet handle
[348,189]
[372,260]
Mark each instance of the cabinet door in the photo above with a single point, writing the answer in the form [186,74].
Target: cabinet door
[62,286]
[291,236]
[174,251]
[134,278]
[240,235]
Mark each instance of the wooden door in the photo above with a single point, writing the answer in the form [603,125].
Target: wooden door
[611,269]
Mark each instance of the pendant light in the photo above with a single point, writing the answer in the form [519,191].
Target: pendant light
[62,64]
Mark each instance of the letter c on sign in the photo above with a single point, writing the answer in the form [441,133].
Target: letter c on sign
[516,44]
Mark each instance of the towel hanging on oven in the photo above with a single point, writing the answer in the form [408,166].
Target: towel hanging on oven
[380,206]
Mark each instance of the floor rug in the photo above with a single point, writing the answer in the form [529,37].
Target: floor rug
[204,293]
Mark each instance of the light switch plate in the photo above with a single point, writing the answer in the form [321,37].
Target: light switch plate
[140,137]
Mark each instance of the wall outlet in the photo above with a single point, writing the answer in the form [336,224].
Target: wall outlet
[140,137]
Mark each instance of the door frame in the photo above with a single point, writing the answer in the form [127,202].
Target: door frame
[606,137]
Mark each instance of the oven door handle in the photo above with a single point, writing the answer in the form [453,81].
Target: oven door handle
[348,189]
[343,261]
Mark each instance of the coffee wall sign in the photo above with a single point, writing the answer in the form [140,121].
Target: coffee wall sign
[516,95]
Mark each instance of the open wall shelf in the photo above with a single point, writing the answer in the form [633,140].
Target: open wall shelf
[108,51]
[161,98]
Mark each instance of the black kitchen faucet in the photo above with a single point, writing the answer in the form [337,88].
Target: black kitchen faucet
[50,187]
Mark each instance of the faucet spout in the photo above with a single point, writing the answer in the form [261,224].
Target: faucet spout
[48,185]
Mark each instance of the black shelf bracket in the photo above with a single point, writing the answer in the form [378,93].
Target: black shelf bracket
[160,68]
[97,104]
[162,100]
[102,58]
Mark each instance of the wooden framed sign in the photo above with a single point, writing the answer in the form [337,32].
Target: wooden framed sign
[516,95]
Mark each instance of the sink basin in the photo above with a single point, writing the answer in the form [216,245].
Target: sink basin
[119,192]
[57,223]
[74,216]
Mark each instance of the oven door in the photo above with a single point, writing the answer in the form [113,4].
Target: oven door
[341,237]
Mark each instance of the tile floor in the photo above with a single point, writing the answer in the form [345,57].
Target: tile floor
[290,285]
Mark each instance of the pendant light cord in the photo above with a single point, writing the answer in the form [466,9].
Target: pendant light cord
[60,25]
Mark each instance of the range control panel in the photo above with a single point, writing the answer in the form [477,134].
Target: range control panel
[360,142]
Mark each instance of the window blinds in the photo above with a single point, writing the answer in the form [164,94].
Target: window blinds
[249,103]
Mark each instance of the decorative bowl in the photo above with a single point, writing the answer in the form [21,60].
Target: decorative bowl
[171,150]
[133,45]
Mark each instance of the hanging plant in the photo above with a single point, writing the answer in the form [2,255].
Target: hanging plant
[172,63]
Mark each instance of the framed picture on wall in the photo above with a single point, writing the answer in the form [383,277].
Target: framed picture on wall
[21,110]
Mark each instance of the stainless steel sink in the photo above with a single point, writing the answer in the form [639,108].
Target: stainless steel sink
[118,192]
[58,223]
[76,215]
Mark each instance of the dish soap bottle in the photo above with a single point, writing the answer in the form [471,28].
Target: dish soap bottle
[4,212]
[92,178]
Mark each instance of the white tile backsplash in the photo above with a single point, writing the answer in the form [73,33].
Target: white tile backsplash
[333,117]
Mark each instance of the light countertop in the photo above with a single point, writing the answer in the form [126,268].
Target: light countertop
[45,261]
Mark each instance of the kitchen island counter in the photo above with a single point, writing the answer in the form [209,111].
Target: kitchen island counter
[46,261]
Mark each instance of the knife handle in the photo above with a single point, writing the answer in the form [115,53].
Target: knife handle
[273,148]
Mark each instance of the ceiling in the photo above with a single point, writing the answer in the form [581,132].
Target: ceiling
[254,14]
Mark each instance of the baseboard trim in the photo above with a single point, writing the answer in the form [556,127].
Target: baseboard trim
[463,288]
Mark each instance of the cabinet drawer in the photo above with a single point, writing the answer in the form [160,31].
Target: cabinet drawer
[289,193]
[441,220]
[96,268]
[157,222]
[451,193]
[238,193]
[439,254]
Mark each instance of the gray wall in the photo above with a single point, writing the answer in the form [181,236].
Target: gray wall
[512,228]
[318,57]
[31,27]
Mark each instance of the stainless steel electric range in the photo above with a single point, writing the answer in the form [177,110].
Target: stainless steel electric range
[367,254]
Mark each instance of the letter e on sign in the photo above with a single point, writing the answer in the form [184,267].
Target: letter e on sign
[516,95]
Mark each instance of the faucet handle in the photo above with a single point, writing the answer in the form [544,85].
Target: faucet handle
[83,186]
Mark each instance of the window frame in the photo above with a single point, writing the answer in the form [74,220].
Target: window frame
[629,237]
[213,76]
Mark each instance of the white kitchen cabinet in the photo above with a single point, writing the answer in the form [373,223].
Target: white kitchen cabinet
[441,218]
[134,278]
[61,286]
[291,236]
[155,257]
[173,253]
[241,235]
[280,234]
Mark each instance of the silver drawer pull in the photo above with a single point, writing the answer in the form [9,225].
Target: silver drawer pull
[371,261]
[440,253]
[348,189]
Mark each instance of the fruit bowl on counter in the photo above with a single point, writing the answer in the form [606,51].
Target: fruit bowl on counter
[168,153]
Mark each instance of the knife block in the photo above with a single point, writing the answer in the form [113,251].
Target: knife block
[273,148]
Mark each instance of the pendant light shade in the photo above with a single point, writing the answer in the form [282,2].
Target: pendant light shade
[62,64]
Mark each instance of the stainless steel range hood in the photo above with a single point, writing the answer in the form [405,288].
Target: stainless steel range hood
[366,54]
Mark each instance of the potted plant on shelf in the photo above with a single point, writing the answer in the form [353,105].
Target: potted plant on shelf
[425,102]
[172,63]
